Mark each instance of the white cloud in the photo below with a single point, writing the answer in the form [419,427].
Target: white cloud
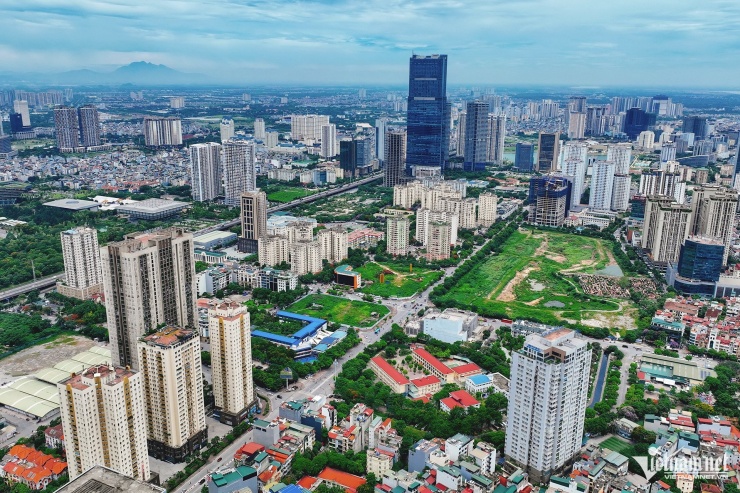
[488,41]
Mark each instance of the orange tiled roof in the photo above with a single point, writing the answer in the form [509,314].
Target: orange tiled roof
[347,480]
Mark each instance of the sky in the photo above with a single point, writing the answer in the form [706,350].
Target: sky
[339,42]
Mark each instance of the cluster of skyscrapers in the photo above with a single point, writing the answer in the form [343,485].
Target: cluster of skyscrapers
[149,401]
[77,129]
[226,169]
[552,196]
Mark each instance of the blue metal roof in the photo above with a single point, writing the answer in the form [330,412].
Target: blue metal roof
[290,341]
[479,379]
[314,324]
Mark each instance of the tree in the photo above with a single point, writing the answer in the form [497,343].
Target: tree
[641,435]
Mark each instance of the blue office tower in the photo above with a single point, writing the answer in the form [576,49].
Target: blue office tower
[428,119]
[699,266]
[638,120]
[524,157]
[701,258]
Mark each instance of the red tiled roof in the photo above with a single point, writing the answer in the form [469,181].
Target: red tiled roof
[389,370]
[347,480]
[424,381]
[464,398]
[467,369]
[306,482]
[432,360]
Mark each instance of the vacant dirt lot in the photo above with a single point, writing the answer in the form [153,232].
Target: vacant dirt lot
[35,358]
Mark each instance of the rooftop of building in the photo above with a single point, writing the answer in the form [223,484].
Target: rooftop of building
[72,204]
[390,370]
[479,379]
[432,360]
[236,474]
[110,375]
[153,206]
[169,336]
[424,381]
[459,398]
[467,369]
[344,479]
[213,235]
[346,270]
[100,479]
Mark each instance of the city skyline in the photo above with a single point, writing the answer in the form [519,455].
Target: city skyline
[368,43]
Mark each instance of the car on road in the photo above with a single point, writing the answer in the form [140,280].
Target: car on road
[625,345]
[219,459]
[203,480]
[279,396]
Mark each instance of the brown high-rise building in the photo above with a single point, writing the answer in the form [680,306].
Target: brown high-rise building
[395,158]
[254,220]
[149,279]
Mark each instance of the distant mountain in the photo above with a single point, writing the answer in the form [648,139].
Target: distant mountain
[148,73]
[138,73]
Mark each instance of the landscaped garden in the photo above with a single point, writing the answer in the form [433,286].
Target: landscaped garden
[398,279]
[340,310]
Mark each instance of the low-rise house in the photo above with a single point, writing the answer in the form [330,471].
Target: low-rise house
[458,398]
[234,480]
[54,436]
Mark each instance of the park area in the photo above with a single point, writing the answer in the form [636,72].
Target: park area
[389,279]
[339,310]
[535,277]
[289,194]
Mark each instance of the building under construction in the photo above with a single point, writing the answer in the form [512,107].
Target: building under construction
[549,199]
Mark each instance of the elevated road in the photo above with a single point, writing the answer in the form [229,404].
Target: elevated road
[289,205]
[48,281]
[41,283]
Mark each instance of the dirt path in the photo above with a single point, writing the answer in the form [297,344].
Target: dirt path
[388,268]
[534,302]
[508,293]
[540,252]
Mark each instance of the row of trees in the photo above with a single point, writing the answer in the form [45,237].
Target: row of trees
[498,234]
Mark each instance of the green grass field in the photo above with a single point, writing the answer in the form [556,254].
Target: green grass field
[618,445]
[402,283]
[530,278]
[339,310]
[290,193]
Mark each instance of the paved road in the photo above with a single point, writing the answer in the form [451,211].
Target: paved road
[48,281]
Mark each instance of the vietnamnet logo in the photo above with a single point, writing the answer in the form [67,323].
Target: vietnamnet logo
[673,466]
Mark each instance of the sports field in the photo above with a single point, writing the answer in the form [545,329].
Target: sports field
[339,310]
[398,279]
[531,279]
[618,445]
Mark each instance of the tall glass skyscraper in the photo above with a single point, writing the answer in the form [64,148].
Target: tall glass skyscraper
[428,119]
